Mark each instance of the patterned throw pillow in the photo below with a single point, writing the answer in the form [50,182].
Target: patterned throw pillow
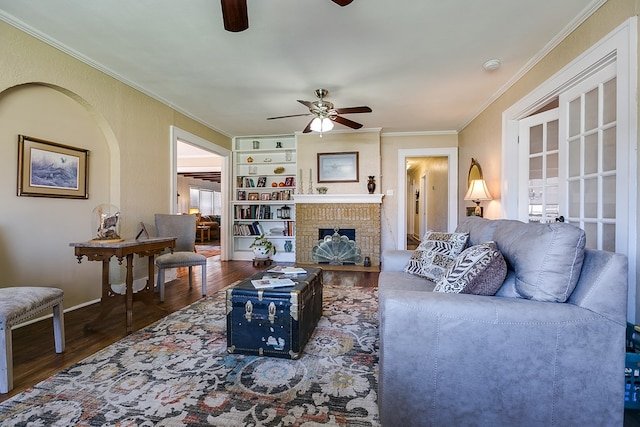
[434,254]
[479,270]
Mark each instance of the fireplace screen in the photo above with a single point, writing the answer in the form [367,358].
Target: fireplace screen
[336,249]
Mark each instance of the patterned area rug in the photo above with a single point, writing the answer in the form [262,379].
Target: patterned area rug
[177,372]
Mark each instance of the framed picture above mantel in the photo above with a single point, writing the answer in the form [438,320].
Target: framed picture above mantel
[338,167]
[49,169]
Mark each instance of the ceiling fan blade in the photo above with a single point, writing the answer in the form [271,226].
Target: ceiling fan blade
[308,128]
[346,122]
[342,2]
[307,104]
[235,15]
[290,115]
[351,110]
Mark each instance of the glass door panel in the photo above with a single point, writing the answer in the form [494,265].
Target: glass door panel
[539,145]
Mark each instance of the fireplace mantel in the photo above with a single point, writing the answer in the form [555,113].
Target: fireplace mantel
[338,198]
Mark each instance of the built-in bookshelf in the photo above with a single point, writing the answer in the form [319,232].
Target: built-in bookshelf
[264,169]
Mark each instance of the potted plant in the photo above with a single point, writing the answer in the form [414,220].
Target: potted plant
[262,247]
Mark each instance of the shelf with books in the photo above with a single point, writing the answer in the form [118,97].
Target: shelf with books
[263,192]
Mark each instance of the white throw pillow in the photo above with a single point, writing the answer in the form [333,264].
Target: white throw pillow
[435,253]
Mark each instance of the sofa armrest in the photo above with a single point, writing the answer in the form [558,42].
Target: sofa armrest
[395,259]
[452,359]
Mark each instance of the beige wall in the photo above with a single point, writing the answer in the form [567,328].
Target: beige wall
[365,143]
[378,155]
[389,148]
[47,94]
[128,135]
[482,138]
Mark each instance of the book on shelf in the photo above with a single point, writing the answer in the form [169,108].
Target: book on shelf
[252,212]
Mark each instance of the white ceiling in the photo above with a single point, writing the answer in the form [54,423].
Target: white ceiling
[416,63]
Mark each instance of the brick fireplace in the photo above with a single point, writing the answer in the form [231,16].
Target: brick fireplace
[360,212]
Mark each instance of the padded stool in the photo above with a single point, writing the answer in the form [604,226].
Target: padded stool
[18,304]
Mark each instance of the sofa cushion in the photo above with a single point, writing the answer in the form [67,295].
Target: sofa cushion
[435,253]
[478,270]
[546,258]
[480,229]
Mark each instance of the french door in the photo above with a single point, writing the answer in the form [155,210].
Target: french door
[539,167]
[573,167]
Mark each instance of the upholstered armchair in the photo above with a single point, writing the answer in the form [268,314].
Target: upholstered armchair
[183,228]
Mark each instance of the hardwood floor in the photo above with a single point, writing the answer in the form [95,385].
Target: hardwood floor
[34,356]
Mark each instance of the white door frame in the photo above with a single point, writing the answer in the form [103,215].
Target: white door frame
[451,153]
[422,210]
[177,134]
[619,46]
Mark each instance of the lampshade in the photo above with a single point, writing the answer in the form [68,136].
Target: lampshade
[478,191]
[194,211]
[321,125]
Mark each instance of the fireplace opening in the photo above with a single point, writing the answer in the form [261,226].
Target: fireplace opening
[336,247]
[349,232]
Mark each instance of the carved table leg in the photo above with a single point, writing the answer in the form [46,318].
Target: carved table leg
[129,303]
[109,300]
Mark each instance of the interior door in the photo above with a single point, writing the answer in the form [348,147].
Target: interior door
[570,161]
[596,163]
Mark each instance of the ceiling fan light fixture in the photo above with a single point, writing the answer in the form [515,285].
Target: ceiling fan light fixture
[321,124]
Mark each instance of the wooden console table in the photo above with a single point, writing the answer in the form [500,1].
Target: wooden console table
[103,251]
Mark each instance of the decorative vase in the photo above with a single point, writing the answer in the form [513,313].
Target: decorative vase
[288,246]
[371,184]
[261,252]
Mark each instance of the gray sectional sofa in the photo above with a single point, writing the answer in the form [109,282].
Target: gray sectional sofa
[547,350]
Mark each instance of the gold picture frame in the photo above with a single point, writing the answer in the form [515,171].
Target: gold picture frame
[50,169]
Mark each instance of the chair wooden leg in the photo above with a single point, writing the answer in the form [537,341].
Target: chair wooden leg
[190,278]
[6,361]
[58,327]
[204,280]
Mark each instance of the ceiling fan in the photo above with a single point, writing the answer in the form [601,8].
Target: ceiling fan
[325,114]
[236,18]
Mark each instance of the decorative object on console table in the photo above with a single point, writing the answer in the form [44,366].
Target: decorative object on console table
[49,169]
[105,223]
[371,184]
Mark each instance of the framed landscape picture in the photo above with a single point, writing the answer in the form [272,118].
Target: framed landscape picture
[338,167]
[49,169]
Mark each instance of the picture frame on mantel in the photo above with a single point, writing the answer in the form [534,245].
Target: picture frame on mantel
[50,169]
[338,167]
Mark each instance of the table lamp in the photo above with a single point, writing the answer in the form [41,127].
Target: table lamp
[477,192]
